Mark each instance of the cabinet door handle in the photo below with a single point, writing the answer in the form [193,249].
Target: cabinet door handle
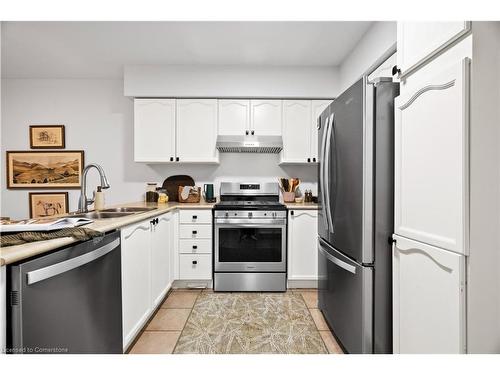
[195,262]
[314,160]
[195,231]
[253,132]
[195,217]
[177,158]
[195,247]
[308,160]
[246,132]
[171,158]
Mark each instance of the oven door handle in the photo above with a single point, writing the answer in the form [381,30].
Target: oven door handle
[274,224]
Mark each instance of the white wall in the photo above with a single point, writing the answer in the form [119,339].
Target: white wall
[230,81]
[377,40]
[99,120]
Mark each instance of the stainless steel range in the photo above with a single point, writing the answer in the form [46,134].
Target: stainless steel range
[250,228]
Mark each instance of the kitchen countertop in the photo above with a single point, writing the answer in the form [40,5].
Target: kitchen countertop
[302,206]
[16,253]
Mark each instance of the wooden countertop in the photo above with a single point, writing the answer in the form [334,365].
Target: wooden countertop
[16,253]
[302,206]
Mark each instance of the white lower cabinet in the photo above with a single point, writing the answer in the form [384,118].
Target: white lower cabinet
[161,249]
[195,266]
[302,245]
[428,299]
[195,244]
[136,278]
[147,271]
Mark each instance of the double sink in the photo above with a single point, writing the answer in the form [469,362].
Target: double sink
[112,213]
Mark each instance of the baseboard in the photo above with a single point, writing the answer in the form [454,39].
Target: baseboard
[303,284]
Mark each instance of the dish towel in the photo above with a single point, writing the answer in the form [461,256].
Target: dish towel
[185,192]
[80,234]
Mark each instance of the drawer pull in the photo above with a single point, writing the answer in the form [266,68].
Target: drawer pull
[195,217]
[195,247]
[195,231]
[195,262]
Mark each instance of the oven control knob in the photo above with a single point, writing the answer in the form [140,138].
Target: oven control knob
[274,214]
[250,215]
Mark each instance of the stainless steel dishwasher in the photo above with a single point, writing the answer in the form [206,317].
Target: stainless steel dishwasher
[68,301]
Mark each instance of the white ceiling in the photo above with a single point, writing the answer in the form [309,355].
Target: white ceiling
[101,49]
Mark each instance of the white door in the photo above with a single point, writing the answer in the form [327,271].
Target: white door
[428,299]
[160,258]
[265,117]
[302,245]
[296,131]
[197,130]
[318,106]
[431,159]
[420,41]
[154,130]
[136,278]
[234,117]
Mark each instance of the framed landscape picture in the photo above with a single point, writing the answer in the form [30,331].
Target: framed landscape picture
[44,169]
[48,204]
[47,136]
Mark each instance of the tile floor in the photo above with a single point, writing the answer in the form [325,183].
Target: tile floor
[164,329]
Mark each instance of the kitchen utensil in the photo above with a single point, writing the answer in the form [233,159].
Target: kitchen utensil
[172,184]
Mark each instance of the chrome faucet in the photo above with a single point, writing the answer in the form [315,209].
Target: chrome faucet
[84,201]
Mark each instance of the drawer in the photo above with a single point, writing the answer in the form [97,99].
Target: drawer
[195,266]
[195,231]
[195,216]
[195,246]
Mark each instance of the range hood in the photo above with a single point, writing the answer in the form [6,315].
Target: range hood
[264,144]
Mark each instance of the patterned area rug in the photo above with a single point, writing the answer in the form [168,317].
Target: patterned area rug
[250,323]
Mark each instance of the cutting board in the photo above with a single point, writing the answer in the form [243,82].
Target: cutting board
[172,183]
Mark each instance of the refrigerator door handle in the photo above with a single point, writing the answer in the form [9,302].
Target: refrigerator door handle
[327,170]
[61,267]
[321,172]
[336,261]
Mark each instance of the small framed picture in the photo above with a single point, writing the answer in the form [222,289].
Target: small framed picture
[44,169]
[48,204]
[47,136]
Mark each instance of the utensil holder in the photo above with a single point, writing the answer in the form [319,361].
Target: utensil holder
[289,196]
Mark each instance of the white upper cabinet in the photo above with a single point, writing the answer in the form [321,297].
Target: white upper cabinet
[154,130]
[265,117]
[318,106]
[303,245]
[234,117]
[420,41]
[300,131]
[432,158]
[197,130]
[428,299]
[296,131]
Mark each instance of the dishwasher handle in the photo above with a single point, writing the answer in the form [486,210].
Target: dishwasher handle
[61,267]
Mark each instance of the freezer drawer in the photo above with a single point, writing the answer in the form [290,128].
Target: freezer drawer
[346,298]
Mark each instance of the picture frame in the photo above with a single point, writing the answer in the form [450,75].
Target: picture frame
[46,204]
[47,137]
[44,169]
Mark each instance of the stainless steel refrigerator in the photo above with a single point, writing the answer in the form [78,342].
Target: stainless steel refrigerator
[356,143]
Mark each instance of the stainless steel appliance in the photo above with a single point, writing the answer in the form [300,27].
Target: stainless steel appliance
[68,301]
[250,227]
[355,221]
